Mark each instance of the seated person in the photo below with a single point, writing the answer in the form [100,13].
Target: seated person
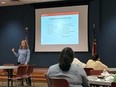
[96,64]
[77,61]
[73,73]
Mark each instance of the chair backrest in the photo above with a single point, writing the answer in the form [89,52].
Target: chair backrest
[47,79]
[87,70]
[30,69]
[96,72]
[21,70]
[57,82]
[113,84]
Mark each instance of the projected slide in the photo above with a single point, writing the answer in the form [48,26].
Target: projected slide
[60,28]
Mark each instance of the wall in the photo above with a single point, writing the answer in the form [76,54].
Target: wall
[15,19]
[107,33]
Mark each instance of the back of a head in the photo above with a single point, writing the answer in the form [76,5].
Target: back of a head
[95,57]
[66,58]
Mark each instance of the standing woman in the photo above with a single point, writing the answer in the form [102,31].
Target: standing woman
[23,55]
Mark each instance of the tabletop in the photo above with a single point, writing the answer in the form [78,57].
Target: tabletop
[93,79]
[8,67]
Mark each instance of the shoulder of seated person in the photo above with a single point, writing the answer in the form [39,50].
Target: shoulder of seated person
[76,59]
[90,60]
[98,61]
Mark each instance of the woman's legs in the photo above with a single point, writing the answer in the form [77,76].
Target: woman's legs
[28,80]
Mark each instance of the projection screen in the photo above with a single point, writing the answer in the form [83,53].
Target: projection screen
[61,27]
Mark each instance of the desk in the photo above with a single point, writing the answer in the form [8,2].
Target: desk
[94,80]
[9,69]
[112,70]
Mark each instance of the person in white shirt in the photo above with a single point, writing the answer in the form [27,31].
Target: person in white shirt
[96,64]
[77,61]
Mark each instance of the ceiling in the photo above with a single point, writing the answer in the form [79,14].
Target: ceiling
[21,2]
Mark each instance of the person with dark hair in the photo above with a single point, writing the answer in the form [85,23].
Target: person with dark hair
[95,63]
[73,73]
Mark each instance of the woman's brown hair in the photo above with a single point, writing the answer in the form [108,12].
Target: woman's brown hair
[26,45]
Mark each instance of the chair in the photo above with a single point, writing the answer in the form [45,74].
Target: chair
[87,70]
[58,82]
[113,84]
[96,72]
[29,71]
[47,79]
[20,74]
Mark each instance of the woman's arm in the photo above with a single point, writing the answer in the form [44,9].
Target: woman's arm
[16,54]
[28,56]
[103,66]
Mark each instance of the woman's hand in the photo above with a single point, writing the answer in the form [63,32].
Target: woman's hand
[13,50]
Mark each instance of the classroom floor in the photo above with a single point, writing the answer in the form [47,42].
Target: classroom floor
[35,84]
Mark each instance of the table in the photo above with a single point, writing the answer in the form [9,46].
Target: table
[112,70]
[9,69]
[94,80]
